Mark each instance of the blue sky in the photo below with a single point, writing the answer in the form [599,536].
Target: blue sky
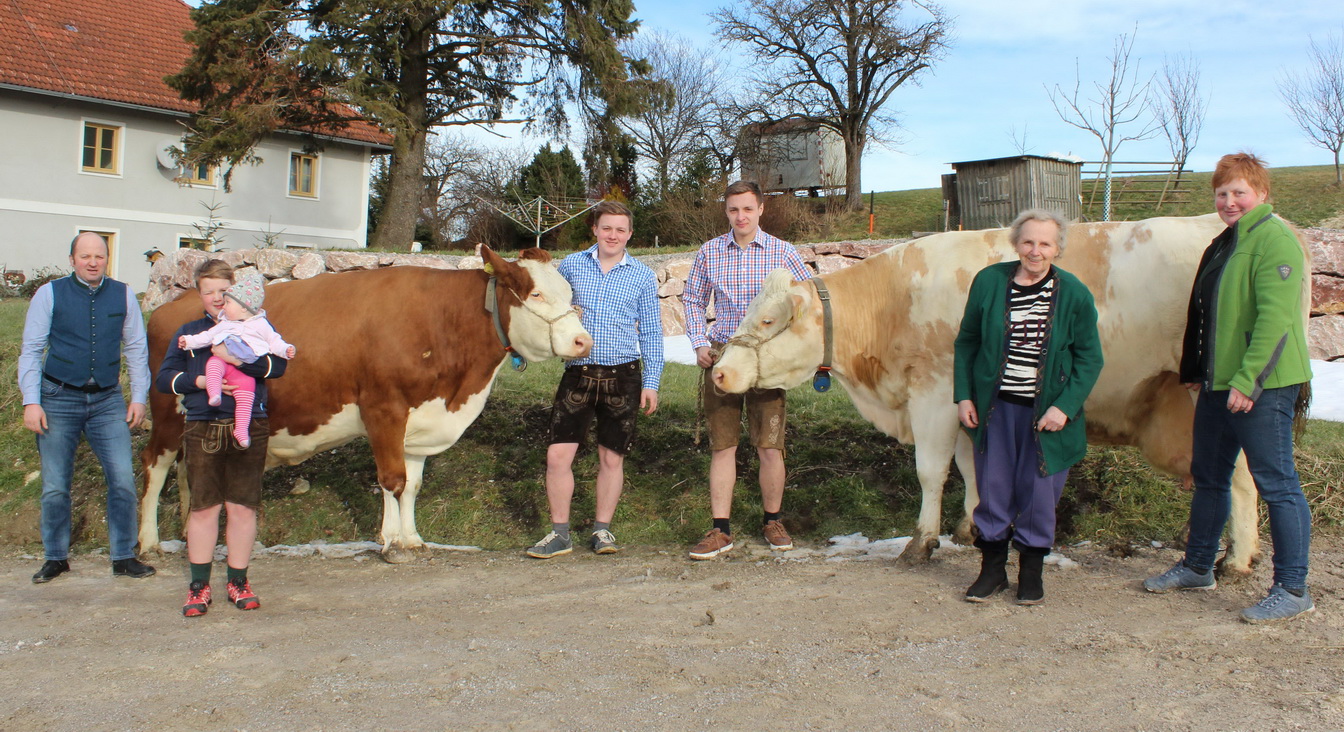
[1005,54]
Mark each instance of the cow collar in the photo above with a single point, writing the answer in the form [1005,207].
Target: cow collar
[821,381]
[492,307]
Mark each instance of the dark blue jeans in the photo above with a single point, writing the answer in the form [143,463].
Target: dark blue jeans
[1266,435]
[101,419]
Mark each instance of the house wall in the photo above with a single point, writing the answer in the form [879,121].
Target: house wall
[798,159]
[45,197]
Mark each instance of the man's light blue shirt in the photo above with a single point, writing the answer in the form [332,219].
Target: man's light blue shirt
[37,329]
[620,310]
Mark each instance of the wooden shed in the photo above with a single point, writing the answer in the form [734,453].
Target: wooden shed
[989,193]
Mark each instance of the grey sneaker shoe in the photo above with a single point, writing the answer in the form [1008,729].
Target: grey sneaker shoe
[552,545]
[1180,577]
[1279,604]
[603,542]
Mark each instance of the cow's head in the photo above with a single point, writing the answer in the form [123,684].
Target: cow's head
[779,343]
[542,320]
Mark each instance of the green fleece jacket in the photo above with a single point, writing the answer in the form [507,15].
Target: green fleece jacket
[1259,327]
[1071,365]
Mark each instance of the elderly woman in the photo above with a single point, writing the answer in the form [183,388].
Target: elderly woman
[1027,356]
[1245,353]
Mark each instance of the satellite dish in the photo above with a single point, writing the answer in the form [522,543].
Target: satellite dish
[165,150]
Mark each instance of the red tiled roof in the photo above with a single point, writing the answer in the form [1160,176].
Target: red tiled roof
[115,50]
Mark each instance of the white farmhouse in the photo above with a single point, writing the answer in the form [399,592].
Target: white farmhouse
[85,118]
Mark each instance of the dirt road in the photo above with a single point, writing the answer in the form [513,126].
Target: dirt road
[648,640]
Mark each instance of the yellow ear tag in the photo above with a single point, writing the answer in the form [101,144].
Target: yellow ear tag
[489,268]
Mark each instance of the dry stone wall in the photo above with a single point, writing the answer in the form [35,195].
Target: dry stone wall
[172,275]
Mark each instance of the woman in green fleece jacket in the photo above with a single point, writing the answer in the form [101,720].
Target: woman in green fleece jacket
[1027,356]
[1245,353]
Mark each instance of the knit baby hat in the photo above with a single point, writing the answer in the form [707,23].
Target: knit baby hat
[249,291]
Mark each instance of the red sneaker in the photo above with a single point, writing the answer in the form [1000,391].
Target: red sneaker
[198,600]
[242,597]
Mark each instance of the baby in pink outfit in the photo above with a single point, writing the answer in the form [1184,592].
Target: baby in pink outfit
[244,330]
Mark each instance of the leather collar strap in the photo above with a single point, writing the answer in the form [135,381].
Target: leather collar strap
[492,307]
[821,381]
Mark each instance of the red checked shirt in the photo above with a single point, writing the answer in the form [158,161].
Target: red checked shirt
[733,275]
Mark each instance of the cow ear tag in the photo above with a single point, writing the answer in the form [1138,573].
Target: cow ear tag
[821,381]
[518,363]
[489,269]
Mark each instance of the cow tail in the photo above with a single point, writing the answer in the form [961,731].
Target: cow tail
[1301,410]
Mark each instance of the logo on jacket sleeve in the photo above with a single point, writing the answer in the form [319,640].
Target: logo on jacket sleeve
[1285,270]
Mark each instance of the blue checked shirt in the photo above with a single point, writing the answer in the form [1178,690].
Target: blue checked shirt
[620,310]
[733,275]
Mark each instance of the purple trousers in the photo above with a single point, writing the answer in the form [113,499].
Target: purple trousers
[1014,496]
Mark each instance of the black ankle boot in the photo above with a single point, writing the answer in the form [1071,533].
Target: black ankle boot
[993,577]
[1030,588]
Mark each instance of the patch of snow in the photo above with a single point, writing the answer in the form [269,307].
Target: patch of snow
[1327,390]
[857,547]
[340,550]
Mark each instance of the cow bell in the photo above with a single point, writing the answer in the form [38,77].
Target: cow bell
[821,381]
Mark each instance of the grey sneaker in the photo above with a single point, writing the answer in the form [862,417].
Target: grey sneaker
[1279,604]
[1180,577]
[552,545]
[603,542]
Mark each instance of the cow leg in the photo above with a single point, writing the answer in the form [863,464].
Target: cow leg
[183,494]
[934,428]
[965,533]
[1243,543]
[410,537]
[156,474]
[386,427]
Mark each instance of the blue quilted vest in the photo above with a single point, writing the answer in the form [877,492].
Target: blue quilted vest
[85,338]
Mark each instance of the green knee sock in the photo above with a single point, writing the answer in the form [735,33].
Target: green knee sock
[200,572]
[237,576]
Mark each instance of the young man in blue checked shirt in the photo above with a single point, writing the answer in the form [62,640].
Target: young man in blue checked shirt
[731,268]
[618,297]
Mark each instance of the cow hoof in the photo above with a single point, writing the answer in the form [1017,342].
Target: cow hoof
[918,551]
[398,555]
[1232,571]
[965,533]
[150,553]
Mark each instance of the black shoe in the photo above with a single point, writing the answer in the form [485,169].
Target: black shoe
[131,568]
[993,575]
[51,569]
[1030,588]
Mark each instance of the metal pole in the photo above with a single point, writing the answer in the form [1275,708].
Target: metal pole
[1106,206]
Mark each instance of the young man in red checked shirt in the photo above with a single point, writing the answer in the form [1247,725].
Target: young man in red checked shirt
[732,269]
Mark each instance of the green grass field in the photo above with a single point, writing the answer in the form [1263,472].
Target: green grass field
[844,476]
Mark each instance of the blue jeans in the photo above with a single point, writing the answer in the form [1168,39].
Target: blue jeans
[101,418]
[1266,435]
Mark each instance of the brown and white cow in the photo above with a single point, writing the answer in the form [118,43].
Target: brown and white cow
[403,355]
[896,316]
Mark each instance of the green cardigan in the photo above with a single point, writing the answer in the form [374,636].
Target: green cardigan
[1260,331]
[1072,360]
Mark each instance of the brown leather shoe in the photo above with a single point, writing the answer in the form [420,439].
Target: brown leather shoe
[715,543]
[777,537]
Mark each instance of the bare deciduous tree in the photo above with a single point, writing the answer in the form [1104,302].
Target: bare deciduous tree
[676,122]
[461,176]
[1119,101]
[1177,106]
[1315,98]
[837,62]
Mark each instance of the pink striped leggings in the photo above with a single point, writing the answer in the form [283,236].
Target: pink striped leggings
[218,372]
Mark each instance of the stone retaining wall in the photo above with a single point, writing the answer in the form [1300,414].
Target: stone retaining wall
[172,275]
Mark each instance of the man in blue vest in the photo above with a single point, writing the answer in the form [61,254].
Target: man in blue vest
[83,323]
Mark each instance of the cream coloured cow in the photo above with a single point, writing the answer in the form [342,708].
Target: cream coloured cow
[404,356]
[896,316]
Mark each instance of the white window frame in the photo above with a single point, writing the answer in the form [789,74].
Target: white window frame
[119,153]
[113,247]
[317,175]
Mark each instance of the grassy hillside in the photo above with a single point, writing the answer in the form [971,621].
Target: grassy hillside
[843,477]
